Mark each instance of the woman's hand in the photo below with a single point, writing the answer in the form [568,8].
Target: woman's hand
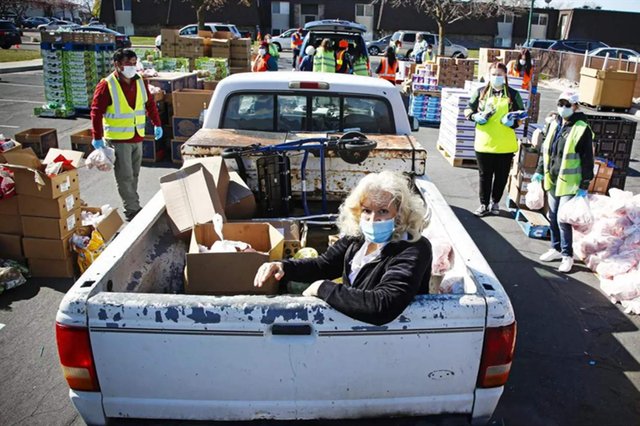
[312,290]
[266,271]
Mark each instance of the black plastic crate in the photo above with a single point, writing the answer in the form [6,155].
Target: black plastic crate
[618,181]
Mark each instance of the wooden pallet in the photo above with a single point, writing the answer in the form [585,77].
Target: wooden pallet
[533,224]
[603,108]
[458,162]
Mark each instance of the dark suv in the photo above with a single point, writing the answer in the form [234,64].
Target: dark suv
[577,46]
[9,34]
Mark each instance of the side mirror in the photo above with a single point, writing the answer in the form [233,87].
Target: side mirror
[415,124]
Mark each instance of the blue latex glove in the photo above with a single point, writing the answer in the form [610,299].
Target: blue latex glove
[507,121]
[537,177]
[157,132]
[98,143]
[479,118]
[582,193]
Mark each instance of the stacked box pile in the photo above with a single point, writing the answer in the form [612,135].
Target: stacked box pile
[240,60]
[188,106]
[454,72]
[485,58]
[53,76]
[10,230]
[81,76]
[613,142]
[215,68]
[171,64]
[425,98]
[521,172]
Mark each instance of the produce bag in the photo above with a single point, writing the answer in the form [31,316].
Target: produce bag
[102,158]
[7,185]
[88,248]
[576,212]
[535,196]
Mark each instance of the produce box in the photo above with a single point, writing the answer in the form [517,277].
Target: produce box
[152,150]
[608,88]
[38,139]
[190,103]
[185,127]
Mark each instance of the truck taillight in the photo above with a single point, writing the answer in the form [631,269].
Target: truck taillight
[497,354]
[76,358]
[309,85]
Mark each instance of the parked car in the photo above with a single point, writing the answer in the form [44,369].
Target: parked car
[122,40]
[192,30]
[34,22]
[283,41]
[408,40]
[9,34]
[616,52]
[56,24]
[377,47]
[577,46]
[284,357]
[335,30]
[538,43]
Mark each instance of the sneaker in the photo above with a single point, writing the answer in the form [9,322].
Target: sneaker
[130,216]
[495,208]
[481,211]
[551,255]
[566,264]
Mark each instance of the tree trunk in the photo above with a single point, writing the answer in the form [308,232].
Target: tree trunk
[200,11]
[441,38]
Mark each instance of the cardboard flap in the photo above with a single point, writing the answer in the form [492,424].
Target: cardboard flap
[74,156]
[23,157]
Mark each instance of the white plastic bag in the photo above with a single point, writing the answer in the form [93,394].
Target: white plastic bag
[102,159]
[576,212]
[535,196]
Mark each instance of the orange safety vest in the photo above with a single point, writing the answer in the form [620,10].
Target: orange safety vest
[261,63]
[340,61]
[526,77]
[388,72]
[296,40]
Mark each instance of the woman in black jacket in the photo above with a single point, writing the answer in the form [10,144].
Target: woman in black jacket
[383,259]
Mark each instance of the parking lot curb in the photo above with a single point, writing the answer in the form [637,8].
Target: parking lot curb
[20,69]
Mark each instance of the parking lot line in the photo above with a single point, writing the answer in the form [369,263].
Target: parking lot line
[21,101]
[20,85]
[6,126]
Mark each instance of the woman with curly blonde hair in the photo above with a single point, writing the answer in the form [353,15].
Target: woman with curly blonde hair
[382,257]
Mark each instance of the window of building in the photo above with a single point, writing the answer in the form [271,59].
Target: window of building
[309,9]
[123,4]
[539,19]
[363,9]
[508,18]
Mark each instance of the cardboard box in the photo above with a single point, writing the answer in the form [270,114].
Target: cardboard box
[185,127]
[81,141]
[41,248]
[191,102]
[218,169]
[56,187]
[528,157]
[234,272]
[515,195]
[49,268]
[601,186]
[609,88]
[176,154]
[169,35]
[23,157]
[10,224]
[191,197]
[45,227]
[290,230]
[54,208]
[110,225]
[209,85]
[40,140]
[241,203]
[152,149]
[15,148]
[11,247]
[9,206]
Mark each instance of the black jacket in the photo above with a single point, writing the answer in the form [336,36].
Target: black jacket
[584,149]
[383,288]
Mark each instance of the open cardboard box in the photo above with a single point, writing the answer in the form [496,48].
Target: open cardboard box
[54,187]
[109,226]
[241,203]
[231,273]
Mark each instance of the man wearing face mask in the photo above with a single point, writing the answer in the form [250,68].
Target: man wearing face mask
[120,105]
[383,259]
[566,169]
[264,61]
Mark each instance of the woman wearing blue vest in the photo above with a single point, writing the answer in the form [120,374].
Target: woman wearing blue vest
[495,141]
[566,168]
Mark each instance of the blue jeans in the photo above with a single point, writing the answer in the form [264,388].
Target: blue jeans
[561,233]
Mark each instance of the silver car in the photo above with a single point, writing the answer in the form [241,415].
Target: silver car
[408,40]
[377,47]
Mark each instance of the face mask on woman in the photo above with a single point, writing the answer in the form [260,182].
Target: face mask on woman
[523,62]
[565,111]
[377,232]
[497,81]
[129,71]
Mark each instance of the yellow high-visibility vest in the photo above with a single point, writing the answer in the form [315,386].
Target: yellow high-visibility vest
[120,121]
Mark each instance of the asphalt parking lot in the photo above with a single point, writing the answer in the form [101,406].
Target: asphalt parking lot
[577,355]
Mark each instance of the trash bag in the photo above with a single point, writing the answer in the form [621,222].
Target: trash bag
[12,274]
[535,196]
[576,212]
[102,159]
[88,248]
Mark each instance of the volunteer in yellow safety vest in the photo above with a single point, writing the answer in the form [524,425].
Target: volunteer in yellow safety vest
[495,136]
[359,62]
[120,105]
[566,169]
[323,60]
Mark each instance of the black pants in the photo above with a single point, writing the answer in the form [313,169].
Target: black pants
[494,172]
[296,53]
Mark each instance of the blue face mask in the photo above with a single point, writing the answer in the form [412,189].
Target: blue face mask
[377,232]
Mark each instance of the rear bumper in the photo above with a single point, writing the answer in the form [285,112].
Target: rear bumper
[485,404]
[89,405]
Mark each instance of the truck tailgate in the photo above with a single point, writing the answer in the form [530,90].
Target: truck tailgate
[286,357]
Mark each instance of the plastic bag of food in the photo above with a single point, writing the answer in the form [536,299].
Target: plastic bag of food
[616,265]
[631,306]
[535,196]
[12,274]
[102,159]
[88,248]
[622,287]
[576,212]
[452,285]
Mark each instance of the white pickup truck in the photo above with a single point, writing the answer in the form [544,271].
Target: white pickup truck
[133,345]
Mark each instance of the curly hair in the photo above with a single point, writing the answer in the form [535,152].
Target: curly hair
[412,212]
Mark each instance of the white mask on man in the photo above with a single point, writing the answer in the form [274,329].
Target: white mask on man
[129,71]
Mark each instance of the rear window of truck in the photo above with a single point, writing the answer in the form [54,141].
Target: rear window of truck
[270,112]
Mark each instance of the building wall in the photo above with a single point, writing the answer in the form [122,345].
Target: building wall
[617,29]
